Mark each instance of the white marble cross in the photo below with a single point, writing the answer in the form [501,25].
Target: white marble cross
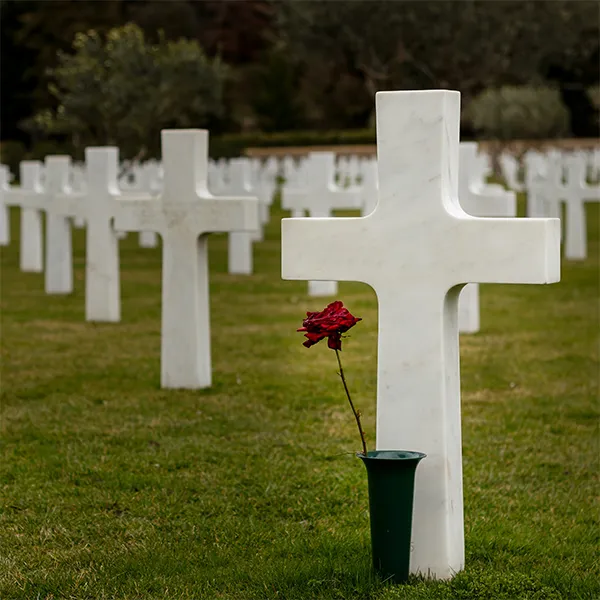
[543,182]
[417,249]
[263,186]
[150,176]
[30,197]
[184,214]
[478,199]
[96,206]
[58,275]
[293,172]
[319,196]
[575,193]
[510,167]
[218,174]
[240,251]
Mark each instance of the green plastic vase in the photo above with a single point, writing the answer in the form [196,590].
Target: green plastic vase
[391,476]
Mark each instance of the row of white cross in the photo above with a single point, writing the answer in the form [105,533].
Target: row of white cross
[416,244]
[184,213]
[316,194]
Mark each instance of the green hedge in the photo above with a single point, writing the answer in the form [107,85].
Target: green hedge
[234,144]
[518,112]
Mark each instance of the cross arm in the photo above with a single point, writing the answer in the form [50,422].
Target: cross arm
[137,214]
[514,250]
[230,214]
[24,198]
[70,205]
[328,249]
[201,216]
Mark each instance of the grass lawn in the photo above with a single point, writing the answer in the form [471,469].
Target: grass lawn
[113,488]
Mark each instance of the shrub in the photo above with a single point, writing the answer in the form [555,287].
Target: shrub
[122,90]
[526,112]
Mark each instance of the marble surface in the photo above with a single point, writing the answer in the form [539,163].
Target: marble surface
[417,249]
[184,214]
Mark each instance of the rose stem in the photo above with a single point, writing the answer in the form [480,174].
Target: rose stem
[354,411]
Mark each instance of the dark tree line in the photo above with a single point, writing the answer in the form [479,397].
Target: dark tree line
[314,65]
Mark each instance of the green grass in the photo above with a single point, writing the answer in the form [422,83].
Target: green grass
[113,488]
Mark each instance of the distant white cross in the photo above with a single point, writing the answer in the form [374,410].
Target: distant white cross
[417,249]
[31,199]
[368,186]
[58,276]
[575,193]
[96,205]
[319,195]
[478,199]
[240,251]
[184,214]
[4,211]
[150,184]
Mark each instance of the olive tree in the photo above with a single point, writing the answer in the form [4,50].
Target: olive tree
[121,90]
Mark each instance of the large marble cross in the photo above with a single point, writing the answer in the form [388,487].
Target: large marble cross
[184,214]
[319,195]
[417,249]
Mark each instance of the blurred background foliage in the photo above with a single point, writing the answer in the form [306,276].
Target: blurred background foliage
[74,74]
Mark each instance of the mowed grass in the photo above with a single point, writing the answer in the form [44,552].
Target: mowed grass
[114,488]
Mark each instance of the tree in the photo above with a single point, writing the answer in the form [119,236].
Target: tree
[33,31]
[415,44]
[121,90]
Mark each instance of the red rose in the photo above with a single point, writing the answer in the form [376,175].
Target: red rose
[330,323]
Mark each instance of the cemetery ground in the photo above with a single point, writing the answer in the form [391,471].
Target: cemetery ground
[113,488]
